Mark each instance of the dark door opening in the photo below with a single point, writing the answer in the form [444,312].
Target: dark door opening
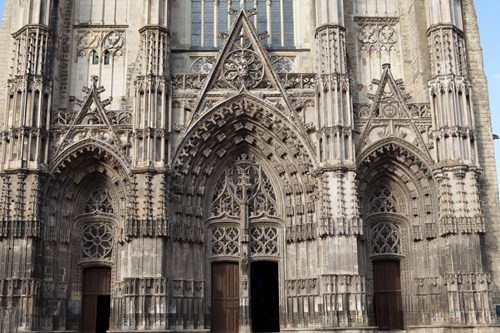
[387,290]
[96,299]
[225,304]
[264,296]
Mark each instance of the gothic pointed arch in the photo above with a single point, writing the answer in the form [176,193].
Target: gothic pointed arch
[398,203]
[245,124]
[396,160]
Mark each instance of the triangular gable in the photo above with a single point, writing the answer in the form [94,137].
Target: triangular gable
[389,115]
[241,65]
[91,115]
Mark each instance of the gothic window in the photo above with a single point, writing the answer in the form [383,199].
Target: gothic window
[95,58]
[385,239]
[244,196]
[210,17]
[97,241]
[383,200]
[106,57]
[244,184]
[99,202]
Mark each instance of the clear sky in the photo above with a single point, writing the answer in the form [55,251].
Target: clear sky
[488,13]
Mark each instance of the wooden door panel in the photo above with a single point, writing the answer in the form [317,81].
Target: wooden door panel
[89,313]
[387,290]
[96,299]
[225,297]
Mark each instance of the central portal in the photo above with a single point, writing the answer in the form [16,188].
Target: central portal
[264,298]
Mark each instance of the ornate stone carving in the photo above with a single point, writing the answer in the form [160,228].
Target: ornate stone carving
[377,36]
[100,42]
[385,239]
[242,67]
[202,65]
[97,241]
[99,202]
[244,183]
[264,241]
[224,241]
[384,201]
[282,64]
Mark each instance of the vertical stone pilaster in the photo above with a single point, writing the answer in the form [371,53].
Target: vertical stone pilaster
[340,216]
[461,220]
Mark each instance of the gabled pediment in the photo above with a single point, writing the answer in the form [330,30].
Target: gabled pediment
[242,65]
[389,115]
[92,121]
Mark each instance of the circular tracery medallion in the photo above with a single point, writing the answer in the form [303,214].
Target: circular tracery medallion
[97,241]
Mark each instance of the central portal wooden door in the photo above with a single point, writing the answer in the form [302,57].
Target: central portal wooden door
[225,297]
[387,289]
[96,299]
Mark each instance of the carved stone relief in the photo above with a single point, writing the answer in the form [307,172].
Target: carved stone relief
[100,42]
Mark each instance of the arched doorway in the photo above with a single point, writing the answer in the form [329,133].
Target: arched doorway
[386,252]
[244,249]
[96,295]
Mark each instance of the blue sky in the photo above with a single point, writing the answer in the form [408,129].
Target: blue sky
[488,15]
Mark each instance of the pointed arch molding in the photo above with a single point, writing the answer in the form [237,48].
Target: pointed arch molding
[90,147]
[245,124]
[392,160]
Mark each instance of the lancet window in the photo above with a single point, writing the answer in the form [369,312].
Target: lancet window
[210,17]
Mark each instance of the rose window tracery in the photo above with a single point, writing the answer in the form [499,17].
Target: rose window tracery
[385,239]
[97,241]
[242,66]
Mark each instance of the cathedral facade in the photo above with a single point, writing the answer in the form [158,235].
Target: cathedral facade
[246,166]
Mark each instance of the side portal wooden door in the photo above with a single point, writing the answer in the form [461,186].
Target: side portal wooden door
[96,299]
[225,297]
[387,289]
